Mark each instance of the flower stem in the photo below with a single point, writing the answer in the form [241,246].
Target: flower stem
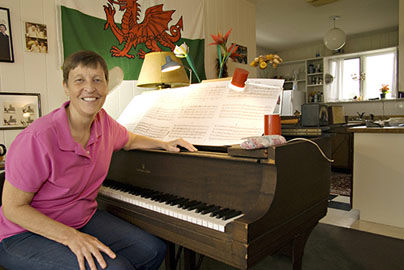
[192,67]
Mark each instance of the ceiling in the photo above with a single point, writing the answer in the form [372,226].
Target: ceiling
[286,24]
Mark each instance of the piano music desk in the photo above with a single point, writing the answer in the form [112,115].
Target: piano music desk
[282,192]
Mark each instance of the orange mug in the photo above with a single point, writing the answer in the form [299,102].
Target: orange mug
[272,124]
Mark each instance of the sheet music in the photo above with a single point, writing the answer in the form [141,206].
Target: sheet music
[204,114]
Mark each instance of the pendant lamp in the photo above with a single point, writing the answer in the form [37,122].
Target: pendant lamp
[334,39]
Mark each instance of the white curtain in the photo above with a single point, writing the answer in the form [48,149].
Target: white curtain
[333,90]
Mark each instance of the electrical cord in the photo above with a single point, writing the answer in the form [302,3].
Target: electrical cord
[310,141]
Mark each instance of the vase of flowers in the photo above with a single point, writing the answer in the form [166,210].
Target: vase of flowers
[263,61]
[224,53]
[384,90]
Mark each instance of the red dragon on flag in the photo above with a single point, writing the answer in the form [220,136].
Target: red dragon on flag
[150,32]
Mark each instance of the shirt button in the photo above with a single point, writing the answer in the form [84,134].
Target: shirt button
[88,152]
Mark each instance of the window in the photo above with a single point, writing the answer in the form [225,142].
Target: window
[361,76]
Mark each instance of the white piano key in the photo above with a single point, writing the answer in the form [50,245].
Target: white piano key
[169,210]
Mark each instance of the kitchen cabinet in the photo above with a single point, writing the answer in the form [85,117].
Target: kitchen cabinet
[315,80]
[303,75]
[378,174]
[341,148]
[294,74]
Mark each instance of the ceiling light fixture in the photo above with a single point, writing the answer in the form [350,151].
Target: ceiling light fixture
[334,39]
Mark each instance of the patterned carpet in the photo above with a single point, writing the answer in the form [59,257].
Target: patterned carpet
[341,183]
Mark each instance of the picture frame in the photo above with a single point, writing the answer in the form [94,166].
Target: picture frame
[241,54]
[6,41]
[18,110]
[36,37]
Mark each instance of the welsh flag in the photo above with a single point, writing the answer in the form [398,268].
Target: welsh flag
[123,31]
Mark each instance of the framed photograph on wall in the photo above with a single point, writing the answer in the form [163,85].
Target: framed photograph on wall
[18,110]
[6,42]
[36,37]
[241,54]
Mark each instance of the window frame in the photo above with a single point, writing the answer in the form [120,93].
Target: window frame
[361,56]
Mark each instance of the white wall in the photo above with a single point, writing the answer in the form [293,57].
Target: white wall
[221,16]
[32,72]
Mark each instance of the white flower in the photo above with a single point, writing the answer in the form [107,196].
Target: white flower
[182,51]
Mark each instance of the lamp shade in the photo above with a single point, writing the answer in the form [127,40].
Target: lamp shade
[151,74]
[334,39]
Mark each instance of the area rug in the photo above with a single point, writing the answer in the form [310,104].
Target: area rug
[340,183]
[336,248]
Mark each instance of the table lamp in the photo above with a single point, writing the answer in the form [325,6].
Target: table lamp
[162,70]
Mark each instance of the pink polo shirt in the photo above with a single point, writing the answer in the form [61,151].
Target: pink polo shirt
[65,177]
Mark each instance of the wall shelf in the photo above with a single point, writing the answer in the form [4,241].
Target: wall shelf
[308,73]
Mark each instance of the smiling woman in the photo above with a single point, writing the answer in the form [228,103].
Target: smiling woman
[52,194]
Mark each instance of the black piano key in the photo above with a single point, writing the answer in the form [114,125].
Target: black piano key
[203,207]
[135,191]
[224,212]
[157,196]
[218,213]
[196,206]
[152,195]
[232,214]
[180,202]
[172,198]
[160,197]
[187,204]
[192,205]
[165,197]
[210,209]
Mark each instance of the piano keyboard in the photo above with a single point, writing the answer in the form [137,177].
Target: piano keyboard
[210,216]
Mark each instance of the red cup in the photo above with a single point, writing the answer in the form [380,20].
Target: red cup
[272,124]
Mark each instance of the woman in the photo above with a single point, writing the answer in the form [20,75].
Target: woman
[49,217]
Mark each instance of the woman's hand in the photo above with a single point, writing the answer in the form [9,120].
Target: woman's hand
[172,146]
[16,207]
[85,246]
[143,142]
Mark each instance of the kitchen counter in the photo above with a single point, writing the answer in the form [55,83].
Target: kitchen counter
[364,129]
[378,174]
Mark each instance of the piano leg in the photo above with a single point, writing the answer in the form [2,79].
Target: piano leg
[170,262]
[295,249]
[189,259]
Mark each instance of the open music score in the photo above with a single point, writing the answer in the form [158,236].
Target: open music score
[204,114]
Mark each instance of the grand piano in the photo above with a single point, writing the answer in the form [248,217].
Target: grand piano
[236,206]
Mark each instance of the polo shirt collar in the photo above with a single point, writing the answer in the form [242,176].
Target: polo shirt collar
[65,139]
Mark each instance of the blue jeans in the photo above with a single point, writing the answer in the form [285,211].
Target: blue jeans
[135,248]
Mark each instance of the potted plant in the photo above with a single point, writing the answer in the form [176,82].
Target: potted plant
[384,90]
